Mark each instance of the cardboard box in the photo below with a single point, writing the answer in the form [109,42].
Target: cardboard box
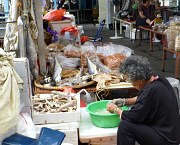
[60,117]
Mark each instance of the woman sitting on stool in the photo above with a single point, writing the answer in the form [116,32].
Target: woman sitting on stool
[154,118]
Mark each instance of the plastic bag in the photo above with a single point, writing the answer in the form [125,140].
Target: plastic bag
[26,126]
[72,51]
[71,29]
[114,61]
[88,51]
[171,34]
[177,43]
[111,49]
[68,63]
[85,98]
[55,15]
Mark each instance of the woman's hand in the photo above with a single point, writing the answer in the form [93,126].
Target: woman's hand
[111,107]
[119,102]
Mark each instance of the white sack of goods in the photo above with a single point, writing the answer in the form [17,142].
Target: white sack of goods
[10,83]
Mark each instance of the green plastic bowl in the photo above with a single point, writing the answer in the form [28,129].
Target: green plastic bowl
[102,118]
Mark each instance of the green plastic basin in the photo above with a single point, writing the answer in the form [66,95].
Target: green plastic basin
[102,118]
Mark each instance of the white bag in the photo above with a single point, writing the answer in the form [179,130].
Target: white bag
[26,126]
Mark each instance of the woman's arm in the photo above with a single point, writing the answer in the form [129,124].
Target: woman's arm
[130,101]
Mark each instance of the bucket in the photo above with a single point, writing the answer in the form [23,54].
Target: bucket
[102,118]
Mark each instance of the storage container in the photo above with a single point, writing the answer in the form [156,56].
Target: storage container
[60,117]
[100,117]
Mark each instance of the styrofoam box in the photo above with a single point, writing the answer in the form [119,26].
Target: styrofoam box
[21,66]
[27,109]
[70,129]
[132,34]
[25,99]
[59,25]
[60,117]
[26,84]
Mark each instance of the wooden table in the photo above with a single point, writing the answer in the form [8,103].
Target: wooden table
[151,31]
[177,54]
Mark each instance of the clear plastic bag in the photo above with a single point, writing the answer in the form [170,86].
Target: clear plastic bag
[177,43]
[68,63]
[111,49]
[26,126]
[171,34]
[72,51]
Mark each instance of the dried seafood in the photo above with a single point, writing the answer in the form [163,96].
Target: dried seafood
[72,81]
[107,79]
[53,103]
[69,73]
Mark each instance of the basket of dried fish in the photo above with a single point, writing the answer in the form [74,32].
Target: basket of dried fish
[72,82]
[56,107]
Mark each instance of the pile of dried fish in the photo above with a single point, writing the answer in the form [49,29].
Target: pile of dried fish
[54,103]
[73,81]
[107,79]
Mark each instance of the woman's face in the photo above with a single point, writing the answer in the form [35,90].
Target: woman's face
[138,84]
[147,4]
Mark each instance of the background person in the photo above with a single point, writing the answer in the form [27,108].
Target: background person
[146,13]
[154,118]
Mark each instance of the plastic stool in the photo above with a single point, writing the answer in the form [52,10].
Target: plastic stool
[47,137]
[176,86]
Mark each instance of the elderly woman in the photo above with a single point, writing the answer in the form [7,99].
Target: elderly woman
[154,117]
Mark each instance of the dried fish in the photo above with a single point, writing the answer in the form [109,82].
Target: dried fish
[92,69]
[58,102]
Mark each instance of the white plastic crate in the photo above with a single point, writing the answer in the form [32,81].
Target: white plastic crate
[132,34]
[21,66]
[60,117]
